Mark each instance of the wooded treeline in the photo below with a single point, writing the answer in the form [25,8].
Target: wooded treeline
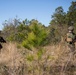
[32,33]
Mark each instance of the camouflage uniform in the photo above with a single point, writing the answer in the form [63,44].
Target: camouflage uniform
[71,34]
[70,39]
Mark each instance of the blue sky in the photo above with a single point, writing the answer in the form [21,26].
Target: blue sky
[31,9]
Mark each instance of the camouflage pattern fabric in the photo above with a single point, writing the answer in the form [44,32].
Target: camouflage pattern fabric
[70,37]
[71,42]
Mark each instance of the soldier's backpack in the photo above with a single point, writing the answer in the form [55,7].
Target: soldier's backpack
[70,37]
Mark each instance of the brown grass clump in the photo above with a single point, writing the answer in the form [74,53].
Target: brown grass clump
[48,60]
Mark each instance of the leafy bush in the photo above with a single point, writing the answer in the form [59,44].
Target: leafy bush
[36,37]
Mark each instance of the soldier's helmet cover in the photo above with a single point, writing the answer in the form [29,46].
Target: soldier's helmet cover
[71,28]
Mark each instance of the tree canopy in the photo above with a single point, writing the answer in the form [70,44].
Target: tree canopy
[32,33]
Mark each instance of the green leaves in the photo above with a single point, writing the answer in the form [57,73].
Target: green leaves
[36,36]
[59,16]
[40,53]
[71,15]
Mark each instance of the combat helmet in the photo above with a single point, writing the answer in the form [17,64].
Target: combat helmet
[71,28]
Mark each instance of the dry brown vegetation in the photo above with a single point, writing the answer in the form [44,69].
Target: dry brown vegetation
[48,60]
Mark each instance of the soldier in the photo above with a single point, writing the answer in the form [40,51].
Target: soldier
[71,38]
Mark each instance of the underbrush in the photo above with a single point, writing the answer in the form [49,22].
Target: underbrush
[47,60]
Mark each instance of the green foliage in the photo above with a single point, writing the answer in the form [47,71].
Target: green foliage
[54,35]
[29,42]
[10,38]
[71,15]
[33,34]
[59,16]
[36,36]
[40,53]
[30,58]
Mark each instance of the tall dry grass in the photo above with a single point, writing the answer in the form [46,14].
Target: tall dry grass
[52,60]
